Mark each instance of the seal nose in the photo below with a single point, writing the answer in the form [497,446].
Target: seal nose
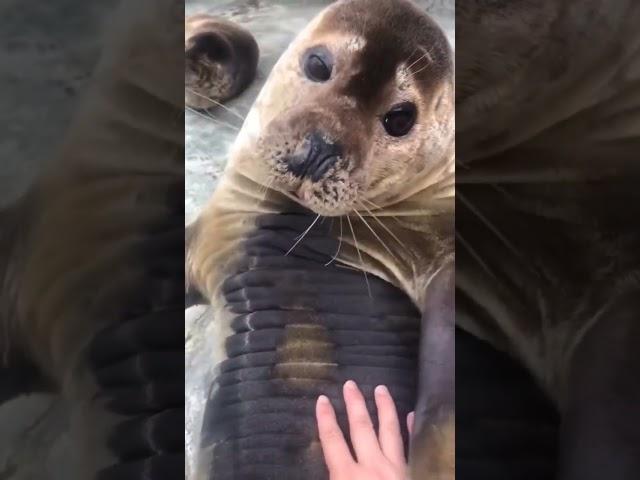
[317,157]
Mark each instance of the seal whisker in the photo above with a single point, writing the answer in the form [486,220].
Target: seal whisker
[421,69]
[208,116]
[335,257]
[422,57]
[230,110]
[355,241]
[299,237]
[375,234]
[387,229]
[474,254]
[490,225]
[379,208]
[303,235]
[213,119]
[375,205]
[415,50]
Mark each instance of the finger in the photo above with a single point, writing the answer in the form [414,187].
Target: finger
[411,416]
[363,437]
[389,427]
[334,447]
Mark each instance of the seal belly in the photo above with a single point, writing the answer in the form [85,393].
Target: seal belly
[300,329]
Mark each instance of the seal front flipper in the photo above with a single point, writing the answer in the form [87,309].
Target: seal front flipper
[139,367]
[510,429]
[596,441]
[432,446]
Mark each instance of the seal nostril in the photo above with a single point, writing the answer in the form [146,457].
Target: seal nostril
[296,164]
[316,159]
[324,165]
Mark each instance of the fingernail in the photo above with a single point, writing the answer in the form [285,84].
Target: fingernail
[410,417]
[382,390]
[323,400]
[350,385]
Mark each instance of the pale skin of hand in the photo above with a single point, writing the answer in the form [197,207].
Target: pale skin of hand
[378,457]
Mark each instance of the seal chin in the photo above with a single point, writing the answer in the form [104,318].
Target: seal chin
[313,197]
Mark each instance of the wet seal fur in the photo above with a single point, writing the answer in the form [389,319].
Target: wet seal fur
[548,134]
[320,142]
[221,59]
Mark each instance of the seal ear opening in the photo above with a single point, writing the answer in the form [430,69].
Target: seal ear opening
[208,44]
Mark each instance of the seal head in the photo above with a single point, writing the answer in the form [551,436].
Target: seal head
[221,59]
[359,108]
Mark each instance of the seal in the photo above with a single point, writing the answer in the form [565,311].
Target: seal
[547,258]
[355,126]
[91,265]
[221,59]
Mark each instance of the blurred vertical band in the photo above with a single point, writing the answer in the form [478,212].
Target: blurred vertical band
[548,242]
[92,238]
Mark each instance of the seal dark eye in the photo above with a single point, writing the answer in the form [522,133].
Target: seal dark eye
[318,65]
[399,121]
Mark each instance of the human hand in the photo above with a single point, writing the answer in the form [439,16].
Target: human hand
[379,457]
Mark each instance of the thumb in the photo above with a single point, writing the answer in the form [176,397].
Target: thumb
[410,419]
